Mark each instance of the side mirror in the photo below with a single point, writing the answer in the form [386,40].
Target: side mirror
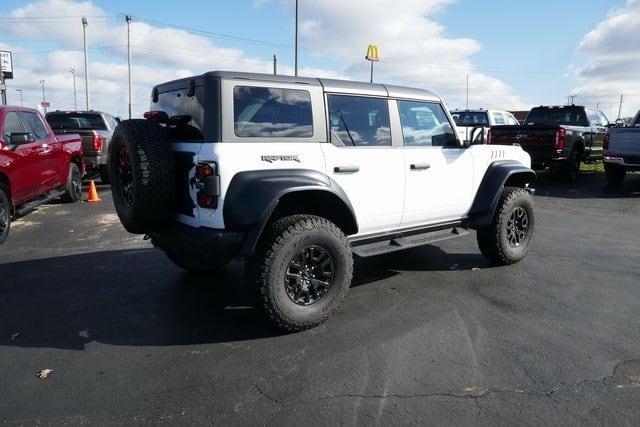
[21,138]
[620,123]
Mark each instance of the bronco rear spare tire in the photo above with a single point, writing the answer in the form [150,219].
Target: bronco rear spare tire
[142,174]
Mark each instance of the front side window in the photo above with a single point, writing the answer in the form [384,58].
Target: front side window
[12,124]
[359,121]
[33,121]
[262,112]
[425,124]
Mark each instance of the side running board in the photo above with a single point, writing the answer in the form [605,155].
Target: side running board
[28,207]
[399,243]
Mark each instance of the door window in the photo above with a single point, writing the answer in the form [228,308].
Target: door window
[359,121]
[499,119]
[33,121]
[594,118]
[262,112]
[425,124]
[12,124]
[603,119]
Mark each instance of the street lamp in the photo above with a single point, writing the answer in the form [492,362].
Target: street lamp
[21,103]
[75,98]
[44,99]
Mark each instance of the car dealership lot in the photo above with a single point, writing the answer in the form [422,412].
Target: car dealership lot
[431,335]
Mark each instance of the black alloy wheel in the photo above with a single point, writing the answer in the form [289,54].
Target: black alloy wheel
[517,227]
[309,275]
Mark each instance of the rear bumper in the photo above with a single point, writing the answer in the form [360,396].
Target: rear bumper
[206,244]
[94,162]
[621,162]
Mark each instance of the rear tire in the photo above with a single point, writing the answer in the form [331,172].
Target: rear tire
[143,177]
[104,175]
[508,239]
[5,214]
[572,168]
[73,190]
[615,175]
[300,272]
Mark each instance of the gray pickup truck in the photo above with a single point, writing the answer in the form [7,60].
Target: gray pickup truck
[622,151]
[95,128]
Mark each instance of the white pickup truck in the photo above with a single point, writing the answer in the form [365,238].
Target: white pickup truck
[467,120]
[621,151]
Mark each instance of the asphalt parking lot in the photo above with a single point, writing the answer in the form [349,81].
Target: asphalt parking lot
[429,336]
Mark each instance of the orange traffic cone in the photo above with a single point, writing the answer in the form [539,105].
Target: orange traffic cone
[93,193]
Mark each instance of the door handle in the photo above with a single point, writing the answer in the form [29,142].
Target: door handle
[420,166]
[346,169]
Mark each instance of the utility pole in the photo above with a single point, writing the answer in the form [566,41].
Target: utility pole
[85,23]
[128,19]
[44,98]
[21,103]
[75,97]
[275,64]
[467,91]
[620,106]
[597,105]
[296,44]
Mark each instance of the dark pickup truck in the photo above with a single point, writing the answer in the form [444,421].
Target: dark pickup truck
[95,128]
[622,151]
[557,137]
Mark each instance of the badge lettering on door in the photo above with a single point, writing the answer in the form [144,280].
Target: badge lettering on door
[281,158]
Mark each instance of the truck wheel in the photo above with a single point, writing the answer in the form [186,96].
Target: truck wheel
[194,265]
[615,175]
[104,174]
[5,214]
[142,174]
[572,168]
[508,239]
[73,189]
[301,271]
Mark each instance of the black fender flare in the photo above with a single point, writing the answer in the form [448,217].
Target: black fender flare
[492,186]
[252,197]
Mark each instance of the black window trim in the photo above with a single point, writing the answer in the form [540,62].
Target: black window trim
[446,114]
[291,139]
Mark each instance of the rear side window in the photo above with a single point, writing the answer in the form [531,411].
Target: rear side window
[76,121]
[359,121]
[425,124]
[33,121]
[12,124]
[262,112]
[499,119]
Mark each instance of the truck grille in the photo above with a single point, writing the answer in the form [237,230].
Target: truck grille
[184,164]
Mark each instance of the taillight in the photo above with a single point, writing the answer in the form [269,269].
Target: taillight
[97,142]
[605,142]
[208,185]
[157,116]
[489,136]
[560,134]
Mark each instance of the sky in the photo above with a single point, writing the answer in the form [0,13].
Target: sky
[516,54]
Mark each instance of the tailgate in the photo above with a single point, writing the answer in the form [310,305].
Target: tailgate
[625,142]
[538,142]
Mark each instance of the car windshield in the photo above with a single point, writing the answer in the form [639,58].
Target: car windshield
[569,116]
[71,121]
[471,118]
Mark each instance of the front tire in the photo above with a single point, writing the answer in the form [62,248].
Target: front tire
[615,175]
[5,215]
[508,239]
[300,272]
[73,189]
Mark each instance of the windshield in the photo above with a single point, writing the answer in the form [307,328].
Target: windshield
[75,121]
[470,118]
[570,116]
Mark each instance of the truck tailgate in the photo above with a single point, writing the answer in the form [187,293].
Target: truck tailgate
[625,143]
[539,142]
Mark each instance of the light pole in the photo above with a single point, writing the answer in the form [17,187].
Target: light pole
[296,44]
[75,98]
[85,23]
[21,103]
[128,19]
[44,98]
[572,99]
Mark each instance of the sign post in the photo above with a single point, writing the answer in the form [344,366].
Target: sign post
[373,55]
[6,72]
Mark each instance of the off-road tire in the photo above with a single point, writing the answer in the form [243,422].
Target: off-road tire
[5,214]
[267,267]
[572,167]
[615,175]
[149,202]
[493,240]
[73,188]
[194,265]
[103,171]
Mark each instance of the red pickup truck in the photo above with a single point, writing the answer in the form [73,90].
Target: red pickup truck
[36,166]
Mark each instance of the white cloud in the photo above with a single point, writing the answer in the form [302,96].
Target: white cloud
[611,53]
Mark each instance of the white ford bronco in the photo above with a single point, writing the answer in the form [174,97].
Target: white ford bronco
[298,175]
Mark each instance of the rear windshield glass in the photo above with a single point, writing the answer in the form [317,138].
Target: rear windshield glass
[76,121]
[261,112]
[570,116]
[470,118]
